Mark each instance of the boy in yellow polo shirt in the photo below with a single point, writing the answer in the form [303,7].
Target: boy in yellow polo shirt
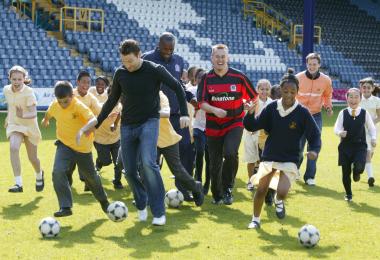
[81,92]
[168,146]
[73,120]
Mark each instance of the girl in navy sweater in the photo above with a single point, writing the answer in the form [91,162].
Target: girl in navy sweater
[351,126]
[286,122]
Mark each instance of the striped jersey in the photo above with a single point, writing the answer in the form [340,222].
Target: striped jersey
[226,92]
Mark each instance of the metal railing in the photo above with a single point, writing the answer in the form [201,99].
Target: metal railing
[73,18]
[297,34]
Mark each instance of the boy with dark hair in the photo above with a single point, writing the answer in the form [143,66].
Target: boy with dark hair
[73,119]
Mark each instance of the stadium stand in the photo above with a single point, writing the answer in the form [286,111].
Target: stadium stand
[372,7]
[197,24]
[23,44]
[351,41]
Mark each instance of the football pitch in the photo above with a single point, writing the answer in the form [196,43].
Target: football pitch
[348,230]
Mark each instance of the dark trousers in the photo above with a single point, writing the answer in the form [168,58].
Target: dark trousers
[107,154]
[65,157]
[201,151]
[346,174]
[223,172]
[182,177]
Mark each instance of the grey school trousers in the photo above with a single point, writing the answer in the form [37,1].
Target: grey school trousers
[65,157]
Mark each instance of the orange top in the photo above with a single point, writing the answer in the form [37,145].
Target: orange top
[314,93]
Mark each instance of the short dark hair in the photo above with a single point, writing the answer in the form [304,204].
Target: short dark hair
[167,37]
[63,89]
[82,74]
[275,92]
[368,80]
[198,71]
[191,69]
[289,77]
[313,55]
[129,46]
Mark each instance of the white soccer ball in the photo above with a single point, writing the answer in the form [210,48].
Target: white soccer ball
[308,236]
[117,211]
[173,198]
[49,227]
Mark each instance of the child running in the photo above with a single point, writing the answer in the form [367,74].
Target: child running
[372,105]
[351,126]
[74,145]
[22,126]
[286,122]
[251,139]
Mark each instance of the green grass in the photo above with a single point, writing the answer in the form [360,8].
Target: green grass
[348,231]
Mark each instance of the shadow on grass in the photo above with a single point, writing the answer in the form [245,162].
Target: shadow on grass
[145,239]
[84,235]
[315,191]
[364,208]
[18,210]
[285,242]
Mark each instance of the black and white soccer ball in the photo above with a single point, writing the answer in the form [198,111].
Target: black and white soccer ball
[173,198]
[117,211]
[308,236]
[49,227]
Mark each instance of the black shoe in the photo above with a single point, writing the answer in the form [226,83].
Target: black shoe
[269,198]
[198,195]
[371,181]
[104,205]
[40,184]
[228,199]
[70,179]
[187,197]
[63,212]
[16,188]
[356,177]
[280,209]
[217,201]
[117,185]
[205,189]
[86,188]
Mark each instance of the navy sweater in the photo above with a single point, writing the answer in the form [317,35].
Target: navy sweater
[283,142]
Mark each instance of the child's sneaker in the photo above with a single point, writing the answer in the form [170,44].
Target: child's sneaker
[40,184]
[371,181]
[348,198]
[254,225]
[250,186]
[280,208]
[16,188]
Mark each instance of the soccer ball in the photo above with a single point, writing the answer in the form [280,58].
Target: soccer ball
[173,198]
[308,236]
[117,211]
[49,227]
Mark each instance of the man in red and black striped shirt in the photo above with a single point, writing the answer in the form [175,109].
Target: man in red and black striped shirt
[222,93]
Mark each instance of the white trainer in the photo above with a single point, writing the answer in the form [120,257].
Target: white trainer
[159,221]
[143,214]
[310,182]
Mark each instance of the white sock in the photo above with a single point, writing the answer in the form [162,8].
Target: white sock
[39,175]
[368,169]
[18,180]
[257,219]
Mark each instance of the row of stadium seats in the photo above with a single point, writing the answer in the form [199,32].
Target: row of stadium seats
[21,43]
[352,37]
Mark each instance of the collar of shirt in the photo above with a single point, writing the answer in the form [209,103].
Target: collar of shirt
[282,111]
[357,111]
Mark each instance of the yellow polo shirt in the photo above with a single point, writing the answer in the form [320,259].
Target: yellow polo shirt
[90,101]
[102,98]
[104,135]
[69,121]
[167,135]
